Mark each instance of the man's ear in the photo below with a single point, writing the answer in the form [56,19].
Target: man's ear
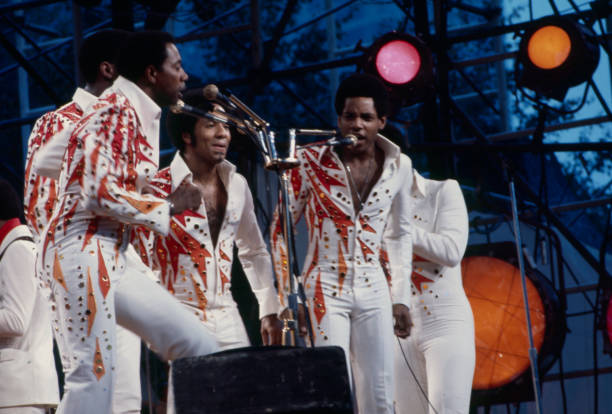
[383,120]
[150,74]
[107,70]
[186,136]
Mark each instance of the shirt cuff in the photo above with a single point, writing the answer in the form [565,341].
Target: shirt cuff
[268,302]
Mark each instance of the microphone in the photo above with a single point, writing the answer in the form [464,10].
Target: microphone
[182,108]
[339,141]
[211,92]
[333,142]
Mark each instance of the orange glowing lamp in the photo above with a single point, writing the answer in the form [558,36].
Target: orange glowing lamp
[549,47]
[493,288]
[555,54]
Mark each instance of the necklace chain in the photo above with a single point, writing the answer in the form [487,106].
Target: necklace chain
[360,197]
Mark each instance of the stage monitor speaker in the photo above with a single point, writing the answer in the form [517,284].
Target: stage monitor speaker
[276,380]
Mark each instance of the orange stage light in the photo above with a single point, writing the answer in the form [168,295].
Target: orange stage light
[492,283]
[549,47]
[493,288]
[556,53]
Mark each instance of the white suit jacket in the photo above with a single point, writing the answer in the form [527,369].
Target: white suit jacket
[439,236]
[27,368]
[197,272]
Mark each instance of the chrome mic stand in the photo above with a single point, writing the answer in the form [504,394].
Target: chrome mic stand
[282,167]
[533,352]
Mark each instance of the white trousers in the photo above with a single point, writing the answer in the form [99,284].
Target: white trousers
[360,321]
[23,410]
[226,325]
[127,394]
[101,287]
[441,355]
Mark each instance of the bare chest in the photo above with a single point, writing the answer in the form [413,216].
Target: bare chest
[215,202]
[362,177]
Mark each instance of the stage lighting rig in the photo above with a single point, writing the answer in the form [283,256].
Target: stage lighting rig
[556,53]
[605,317]
[404,63]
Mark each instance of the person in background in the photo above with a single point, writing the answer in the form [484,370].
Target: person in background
[28,379]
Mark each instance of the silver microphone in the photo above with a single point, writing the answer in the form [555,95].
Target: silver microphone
[211,92]
[333,142]
[345,140]
[181,107]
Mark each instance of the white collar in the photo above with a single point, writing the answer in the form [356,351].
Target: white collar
[392,151]
[419,183]
[179,171]
[146,108]
[83,99]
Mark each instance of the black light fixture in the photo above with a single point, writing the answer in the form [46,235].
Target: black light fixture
[404,63]
[556,53]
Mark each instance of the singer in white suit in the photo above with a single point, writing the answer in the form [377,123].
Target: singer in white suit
[348,196]
[440,350]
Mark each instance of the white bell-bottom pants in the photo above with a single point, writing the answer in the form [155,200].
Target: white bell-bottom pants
[97,288]
[360,321]
[225,324]
[441,355]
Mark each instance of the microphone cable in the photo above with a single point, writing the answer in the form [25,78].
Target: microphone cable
[414,376]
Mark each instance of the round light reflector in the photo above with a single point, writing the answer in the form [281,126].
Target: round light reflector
[398,62]
[549,47]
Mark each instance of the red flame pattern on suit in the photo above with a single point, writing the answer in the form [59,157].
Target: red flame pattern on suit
[40,192]
[339,238]
[104,152]
[417,278]
[319,300]
[193,268]
[345,284]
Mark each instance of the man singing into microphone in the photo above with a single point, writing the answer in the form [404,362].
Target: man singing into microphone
[195,259]
[110,159]
[349,196]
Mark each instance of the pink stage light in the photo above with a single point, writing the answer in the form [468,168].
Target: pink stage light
[398,62]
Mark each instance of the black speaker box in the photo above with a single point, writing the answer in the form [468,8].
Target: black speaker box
[276,380]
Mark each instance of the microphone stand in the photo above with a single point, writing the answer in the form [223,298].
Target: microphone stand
[259,131]
[282,167]
[533,352]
